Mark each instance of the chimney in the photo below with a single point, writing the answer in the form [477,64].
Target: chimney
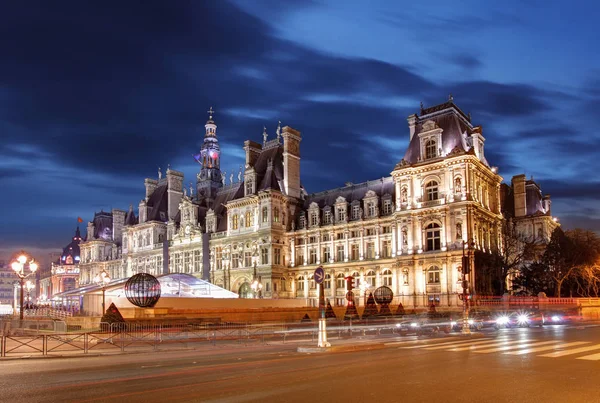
[175,192]
[291,161]
[118,224]
[150,187]
[90,231]
[253,150]
[412,125]
[518,185]
[143,212]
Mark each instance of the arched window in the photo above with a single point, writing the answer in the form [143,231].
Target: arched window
[370,278]
[301,283]
[265,214]
[327,282]
[433,275]
[431,190]
[340,282]
[430,149]
[248,219]
[356,276]
[276,214]
[386,276]
[234,222]
[432,234]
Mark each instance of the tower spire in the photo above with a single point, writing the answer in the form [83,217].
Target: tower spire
[210,112]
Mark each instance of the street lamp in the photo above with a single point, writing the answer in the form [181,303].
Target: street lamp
[466,270]
[102,280]
[18,267]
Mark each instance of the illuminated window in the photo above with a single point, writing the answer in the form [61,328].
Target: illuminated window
[370,250]
[264,255]
[301,283]
[430,149]
[386,276]
[326,254]
[370,278]
[248,219]
[234,222]
[355,212]
[276,214]
[314,219]
[327,217]
[265,214]
[340,253]
[431,190]
[327,282]
[387,207]
[386,248]
[371,209]
[277,256]
[432,234]
[340,282]
[312,256]
[354,252]
[341,214]
[433,275]
[283,284]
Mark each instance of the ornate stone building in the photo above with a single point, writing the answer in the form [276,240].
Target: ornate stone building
[404,230]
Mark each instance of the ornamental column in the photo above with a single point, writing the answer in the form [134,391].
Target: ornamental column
[394,245]
[377,243]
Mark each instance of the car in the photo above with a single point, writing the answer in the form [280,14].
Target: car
[505,320]
[429,323]
[560,317]
[530,318]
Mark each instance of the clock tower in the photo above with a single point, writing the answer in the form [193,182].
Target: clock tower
[210,179]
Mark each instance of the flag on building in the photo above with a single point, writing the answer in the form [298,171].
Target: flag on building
[79,219]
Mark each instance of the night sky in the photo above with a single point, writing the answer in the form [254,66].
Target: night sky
[95,96]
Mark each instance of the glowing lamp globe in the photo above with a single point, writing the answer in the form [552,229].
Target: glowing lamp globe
[143,290]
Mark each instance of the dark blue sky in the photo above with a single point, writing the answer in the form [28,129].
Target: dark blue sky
[94,96]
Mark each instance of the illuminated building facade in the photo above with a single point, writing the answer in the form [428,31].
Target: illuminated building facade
[404,230]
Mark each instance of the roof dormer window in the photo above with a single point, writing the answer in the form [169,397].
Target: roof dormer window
[430,149]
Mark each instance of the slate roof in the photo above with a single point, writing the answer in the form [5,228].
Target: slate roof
[103,225]
[225,195]
[456,126]
[533,197]
[351,192]
[130,218]
[269,166]
[158,204]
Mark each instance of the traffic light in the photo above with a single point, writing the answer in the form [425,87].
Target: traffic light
[349,283]
[466,265]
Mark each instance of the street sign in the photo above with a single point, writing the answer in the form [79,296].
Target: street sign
[319,275]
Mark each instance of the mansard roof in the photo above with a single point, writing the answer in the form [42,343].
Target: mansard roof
[159,204]
[351,192]
[72,250]
[533,196]
[456,128]
[225,195]
[103,223]
[269,166]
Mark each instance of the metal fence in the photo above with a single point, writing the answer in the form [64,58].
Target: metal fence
[127,337]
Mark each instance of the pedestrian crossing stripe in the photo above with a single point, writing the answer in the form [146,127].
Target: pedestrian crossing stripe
[546,348]
[574,351]
[443,345]
[518,346]
[489,344]
[463,344]
[397,343]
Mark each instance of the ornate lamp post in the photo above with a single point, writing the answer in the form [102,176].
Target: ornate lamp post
[466,270]
[102,280]
[18,267]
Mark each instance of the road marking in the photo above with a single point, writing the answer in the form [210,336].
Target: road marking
[455,342]
[574,351]
[490,344]
[396,343]
[545,348]
[591,357]
[506,348]
[462,344]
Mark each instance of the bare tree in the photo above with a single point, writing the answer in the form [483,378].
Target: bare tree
[517,250]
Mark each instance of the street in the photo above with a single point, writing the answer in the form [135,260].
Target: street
[554,363]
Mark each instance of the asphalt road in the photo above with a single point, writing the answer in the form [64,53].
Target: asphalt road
[552,364]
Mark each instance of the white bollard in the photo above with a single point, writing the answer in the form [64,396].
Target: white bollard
[323,333]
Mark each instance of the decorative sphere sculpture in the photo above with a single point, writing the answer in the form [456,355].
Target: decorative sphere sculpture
[384,295]
[143,290]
